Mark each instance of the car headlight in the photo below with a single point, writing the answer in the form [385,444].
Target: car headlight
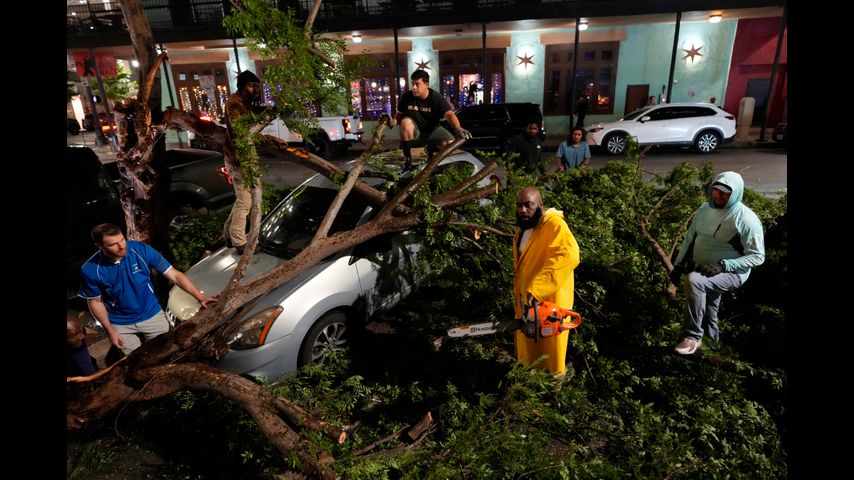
[252,332]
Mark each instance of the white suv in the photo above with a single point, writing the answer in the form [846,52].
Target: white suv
[699,125]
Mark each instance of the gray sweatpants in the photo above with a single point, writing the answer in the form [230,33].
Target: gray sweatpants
[704,298]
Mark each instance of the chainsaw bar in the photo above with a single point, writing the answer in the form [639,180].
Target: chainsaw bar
[483,328]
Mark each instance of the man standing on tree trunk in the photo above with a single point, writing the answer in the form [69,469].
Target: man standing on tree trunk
[248,96]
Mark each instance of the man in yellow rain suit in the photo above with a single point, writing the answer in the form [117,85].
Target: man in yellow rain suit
[545,255]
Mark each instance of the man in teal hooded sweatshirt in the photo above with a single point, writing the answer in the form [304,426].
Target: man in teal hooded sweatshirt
[723,243]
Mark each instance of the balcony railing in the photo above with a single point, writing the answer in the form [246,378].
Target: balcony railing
[96,19]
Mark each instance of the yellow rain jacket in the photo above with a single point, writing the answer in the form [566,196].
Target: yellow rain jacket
[545,267]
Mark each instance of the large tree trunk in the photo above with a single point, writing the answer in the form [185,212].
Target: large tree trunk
[144,173]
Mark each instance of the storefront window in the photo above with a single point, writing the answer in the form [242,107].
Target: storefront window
[374,94]
[594,78]
[377,96]
[462,81]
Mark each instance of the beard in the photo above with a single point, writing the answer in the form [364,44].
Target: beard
[530,222]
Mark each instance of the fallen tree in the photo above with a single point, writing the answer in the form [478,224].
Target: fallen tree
[181,358]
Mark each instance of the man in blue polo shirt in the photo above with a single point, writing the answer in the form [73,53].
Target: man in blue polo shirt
[116,283]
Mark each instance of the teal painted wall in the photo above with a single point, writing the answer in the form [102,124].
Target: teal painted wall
[706,77]
[525,84]
[422,51]
[644,58]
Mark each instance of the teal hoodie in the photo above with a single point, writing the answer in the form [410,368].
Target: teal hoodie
[732,233]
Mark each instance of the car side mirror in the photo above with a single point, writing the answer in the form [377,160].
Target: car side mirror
[645,118]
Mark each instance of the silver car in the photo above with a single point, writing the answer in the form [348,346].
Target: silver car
[301,321]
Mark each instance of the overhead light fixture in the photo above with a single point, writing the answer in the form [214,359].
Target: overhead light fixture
[714,18]
[357,38]
[134,63]
[583,25]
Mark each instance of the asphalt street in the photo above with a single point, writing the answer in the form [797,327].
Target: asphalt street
[763,165]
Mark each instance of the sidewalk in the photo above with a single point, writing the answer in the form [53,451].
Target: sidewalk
[109,153]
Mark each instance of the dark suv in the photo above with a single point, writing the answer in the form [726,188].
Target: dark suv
[493,125]
[90,198]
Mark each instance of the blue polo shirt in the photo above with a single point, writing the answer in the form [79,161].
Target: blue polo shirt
[125,287]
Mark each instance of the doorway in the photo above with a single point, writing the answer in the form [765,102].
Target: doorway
[758,89]
[636,97]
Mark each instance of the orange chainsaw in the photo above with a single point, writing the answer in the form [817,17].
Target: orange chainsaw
[546,320]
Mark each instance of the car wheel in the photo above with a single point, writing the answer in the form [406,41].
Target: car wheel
[615,143]
[320,146]
[328,334]
[707,142]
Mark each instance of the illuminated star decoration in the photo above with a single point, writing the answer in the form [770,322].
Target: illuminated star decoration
[694,52]
[526,60]
[423,64]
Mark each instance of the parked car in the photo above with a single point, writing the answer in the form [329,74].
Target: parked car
[301,321]
[702,126]
[90,198]
[492,125]
[72,126]
[199,181]
[89,123]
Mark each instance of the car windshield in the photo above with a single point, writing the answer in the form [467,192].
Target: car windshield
[288,229]
[637,113]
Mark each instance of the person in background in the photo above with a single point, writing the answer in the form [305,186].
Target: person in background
[651,102]
[581,109]
[117,285]
[574,151]
[79,362]
[246,100]
[529,146]
[419,112]
[722,244]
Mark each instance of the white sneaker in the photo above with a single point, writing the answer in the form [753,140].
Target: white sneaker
[688,346]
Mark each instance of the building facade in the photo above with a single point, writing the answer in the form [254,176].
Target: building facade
[520,55]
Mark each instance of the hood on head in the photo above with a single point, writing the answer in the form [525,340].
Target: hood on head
[549,212]
[734,182]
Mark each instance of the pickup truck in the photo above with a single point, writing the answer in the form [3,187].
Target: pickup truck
[336,135]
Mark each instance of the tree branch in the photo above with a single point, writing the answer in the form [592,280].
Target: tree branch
[312,14]
[484,228]
[167,379]
[332,212]
[422,177]
[145,93]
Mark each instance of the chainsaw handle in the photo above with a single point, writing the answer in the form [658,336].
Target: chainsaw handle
[574,323]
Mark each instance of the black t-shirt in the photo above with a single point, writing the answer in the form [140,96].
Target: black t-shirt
[425,113]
